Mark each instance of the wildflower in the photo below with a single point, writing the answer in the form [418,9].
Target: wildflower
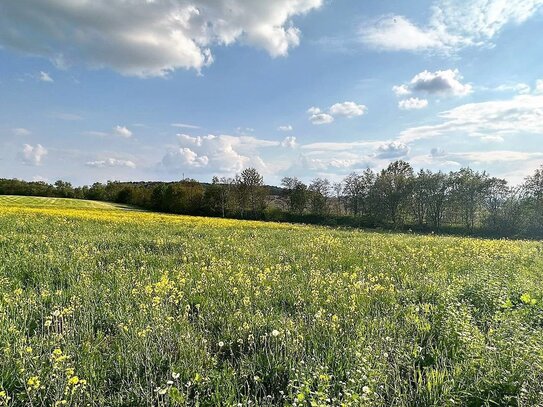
[221,344]
[74,381]
[169,382]
[34,382]
[175,375]
[275,332]
[366,389]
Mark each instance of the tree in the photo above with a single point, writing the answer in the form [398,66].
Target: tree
[250,191]
[319,195]
[469,189]
[392,189]
[297,194]
[217,195]
[533,201]
[64,189]
[356,188]
[437,188]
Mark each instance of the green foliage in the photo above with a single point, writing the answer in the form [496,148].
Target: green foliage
[100,305]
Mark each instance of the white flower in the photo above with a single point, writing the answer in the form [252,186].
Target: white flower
[275,332]
[221,344]
[175,375]
[366,389]
[169,382]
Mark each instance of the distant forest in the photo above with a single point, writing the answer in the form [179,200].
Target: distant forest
[461,202]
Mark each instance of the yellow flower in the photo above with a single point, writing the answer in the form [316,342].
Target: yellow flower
[74,381]
[33,382]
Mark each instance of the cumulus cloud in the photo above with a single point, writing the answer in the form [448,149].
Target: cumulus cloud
[392,150]
[223,154]
[523,114]
[343,157]
[33,155]
[452,26]
[45,77]
[539,87]
[144,37]
[110,162]
[345,109]
[122,131]
[412,103]
[401,90]
[446,82]
[184,157]
[287,127]
[321,118]
[289,142]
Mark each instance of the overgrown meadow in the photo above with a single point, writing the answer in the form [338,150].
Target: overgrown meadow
[100,305]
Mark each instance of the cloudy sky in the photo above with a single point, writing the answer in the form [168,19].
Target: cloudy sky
[92,90]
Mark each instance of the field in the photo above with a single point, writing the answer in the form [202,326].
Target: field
[100,306]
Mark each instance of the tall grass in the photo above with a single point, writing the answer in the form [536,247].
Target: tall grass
[101,306]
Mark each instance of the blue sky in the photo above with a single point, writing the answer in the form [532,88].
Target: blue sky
[152,90]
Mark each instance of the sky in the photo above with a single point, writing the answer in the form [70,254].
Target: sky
[97,90]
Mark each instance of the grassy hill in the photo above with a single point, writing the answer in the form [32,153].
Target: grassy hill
[104,306]
[44,202]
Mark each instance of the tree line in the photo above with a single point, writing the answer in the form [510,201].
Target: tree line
[397,197]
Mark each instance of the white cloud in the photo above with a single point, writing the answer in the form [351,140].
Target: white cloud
[412,103]
[20,131]
[185,126]
[347,109]
[392,150]
[111,162]
[148,37]
[495,156]
[492,138]
[397,33]
[539,87]
[401,90]
[523,114]
[221,154]
[321,118]
[122,131]
[184,157]
[39,178]
[289,142]
[45,77]
[287,127]
[452,26]
[33,155]
[520,88]
[440,82]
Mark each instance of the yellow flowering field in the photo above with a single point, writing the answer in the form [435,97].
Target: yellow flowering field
[105,306]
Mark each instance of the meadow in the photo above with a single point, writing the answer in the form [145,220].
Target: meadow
[100,305]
